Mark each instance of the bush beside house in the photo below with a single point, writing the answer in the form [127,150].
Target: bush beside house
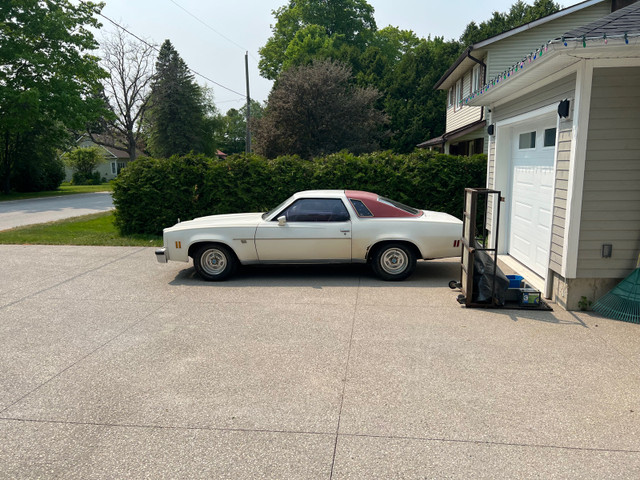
[151,194]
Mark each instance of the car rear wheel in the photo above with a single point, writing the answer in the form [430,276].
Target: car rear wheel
[394,261]
[214,262]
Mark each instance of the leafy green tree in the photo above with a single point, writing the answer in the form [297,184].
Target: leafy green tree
[305,28]
[84,161]
[40,167]
[177,109]
[48,77]
[416,109]
[519,14]
[231,134]
[316,110]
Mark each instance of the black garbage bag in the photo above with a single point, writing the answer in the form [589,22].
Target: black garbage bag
[483,267]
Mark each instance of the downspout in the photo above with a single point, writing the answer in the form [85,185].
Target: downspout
[484,76]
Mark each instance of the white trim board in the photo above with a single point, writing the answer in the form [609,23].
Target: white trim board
[578,157]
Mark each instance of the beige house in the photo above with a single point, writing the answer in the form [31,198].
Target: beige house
[115,158]
[565,153]
[466,132]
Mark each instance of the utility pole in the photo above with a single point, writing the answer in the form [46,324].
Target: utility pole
[246,70]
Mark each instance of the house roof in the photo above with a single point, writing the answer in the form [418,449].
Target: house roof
[626,20]
[452,135]
[614,36]
[108,143]
[465,60]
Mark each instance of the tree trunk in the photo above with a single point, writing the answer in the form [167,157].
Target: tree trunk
[6,164]
[132,148]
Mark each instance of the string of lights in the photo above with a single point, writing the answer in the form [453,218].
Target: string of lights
[539,52]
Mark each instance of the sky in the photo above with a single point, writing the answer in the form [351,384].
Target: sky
[212,36]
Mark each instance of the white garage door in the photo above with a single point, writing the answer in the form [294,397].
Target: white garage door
[532,194]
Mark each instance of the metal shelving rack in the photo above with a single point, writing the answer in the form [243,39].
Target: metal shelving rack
[473,243]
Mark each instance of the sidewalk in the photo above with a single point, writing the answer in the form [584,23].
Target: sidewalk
[115,366]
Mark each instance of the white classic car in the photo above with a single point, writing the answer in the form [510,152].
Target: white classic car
[318,226]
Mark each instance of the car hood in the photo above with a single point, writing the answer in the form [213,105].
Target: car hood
[231,220]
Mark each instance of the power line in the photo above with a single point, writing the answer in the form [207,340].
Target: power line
[212,29]
[158,50]
[206,24]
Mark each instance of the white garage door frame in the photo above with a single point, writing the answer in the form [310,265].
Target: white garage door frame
[503,167]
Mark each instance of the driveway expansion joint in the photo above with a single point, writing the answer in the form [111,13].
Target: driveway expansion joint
[98,348]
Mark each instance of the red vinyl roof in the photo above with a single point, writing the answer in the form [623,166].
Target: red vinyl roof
[379,209]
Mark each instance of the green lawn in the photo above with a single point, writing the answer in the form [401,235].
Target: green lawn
[64,189]
[96,229]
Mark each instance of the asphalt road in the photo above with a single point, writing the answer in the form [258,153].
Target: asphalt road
[17,213]
[115,366]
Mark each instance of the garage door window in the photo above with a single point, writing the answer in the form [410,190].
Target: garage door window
[527,140]
[550,137]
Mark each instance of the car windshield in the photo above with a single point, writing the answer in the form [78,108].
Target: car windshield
[401,206]
[274,210]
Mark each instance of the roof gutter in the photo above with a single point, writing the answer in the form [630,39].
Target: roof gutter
[453,67]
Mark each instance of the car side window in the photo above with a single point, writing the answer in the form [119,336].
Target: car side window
[316,210]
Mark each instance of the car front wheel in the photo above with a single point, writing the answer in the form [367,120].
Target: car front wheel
[214,262]
[394,261]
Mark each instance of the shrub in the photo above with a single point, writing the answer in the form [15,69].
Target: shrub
[151,194]
[81,178]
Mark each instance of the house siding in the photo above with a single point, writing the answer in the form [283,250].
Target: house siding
[560,195]
[458,117]
[611,196]
[554,92]
[504,53]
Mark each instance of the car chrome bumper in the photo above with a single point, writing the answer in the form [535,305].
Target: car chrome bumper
[161,255]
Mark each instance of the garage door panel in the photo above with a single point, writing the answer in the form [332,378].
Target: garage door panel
[520,245]
[532,183]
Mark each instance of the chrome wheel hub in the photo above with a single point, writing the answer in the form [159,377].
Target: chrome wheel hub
[394,261]
[213,261]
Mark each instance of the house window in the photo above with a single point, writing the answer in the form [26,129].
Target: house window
[550,137]
[477,146]
[475,79]
[450,98]
[527,140]
[121,165]
[458,103]
[113,168]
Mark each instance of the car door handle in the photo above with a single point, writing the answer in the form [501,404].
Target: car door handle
[345,230]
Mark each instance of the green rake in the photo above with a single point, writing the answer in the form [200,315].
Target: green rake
[623,302]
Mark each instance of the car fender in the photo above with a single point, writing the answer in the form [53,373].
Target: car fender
[240,242]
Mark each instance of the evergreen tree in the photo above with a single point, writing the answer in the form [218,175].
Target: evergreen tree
[177,108]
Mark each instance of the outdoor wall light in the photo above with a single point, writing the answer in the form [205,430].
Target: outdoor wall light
[491,129]
[563,108]
[607,249]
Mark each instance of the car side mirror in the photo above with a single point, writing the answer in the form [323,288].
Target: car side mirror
[282,221]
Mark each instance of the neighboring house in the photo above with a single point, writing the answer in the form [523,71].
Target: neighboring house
[565,153]
[465,124]
[116,158]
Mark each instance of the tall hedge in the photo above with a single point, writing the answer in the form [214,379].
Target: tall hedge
[151,194]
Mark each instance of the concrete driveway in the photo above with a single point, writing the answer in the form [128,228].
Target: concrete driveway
[114,366]
[17,213]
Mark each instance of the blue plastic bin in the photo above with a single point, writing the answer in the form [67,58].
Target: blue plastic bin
[515,280]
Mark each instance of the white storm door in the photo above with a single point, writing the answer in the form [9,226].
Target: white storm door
[532,179]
